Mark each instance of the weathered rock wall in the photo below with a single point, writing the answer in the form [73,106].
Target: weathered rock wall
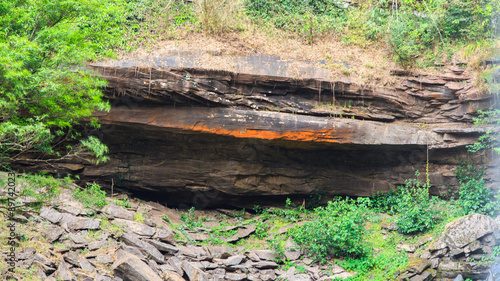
[207,137]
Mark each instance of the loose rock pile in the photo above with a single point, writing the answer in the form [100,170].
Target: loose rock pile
[464,243]
[128,250]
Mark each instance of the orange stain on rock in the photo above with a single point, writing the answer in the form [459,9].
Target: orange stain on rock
[324,135]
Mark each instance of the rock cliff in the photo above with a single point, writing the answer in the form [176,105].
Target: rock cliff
[209,137]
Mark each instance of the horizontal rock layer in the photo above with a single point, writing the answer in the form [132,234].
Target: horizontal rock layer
[209,138]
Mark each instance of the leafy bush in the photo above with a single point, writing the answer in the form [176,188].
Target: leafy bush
[92,196]
[337,230]
[190,219]
[385,202]
[474,195]
[416,212]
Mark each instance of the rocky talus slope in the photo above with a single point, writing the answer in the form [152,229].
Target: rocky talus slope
[148,241]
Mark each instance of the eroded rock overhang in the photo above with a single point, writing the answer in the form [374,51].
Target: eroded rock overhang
[208,137]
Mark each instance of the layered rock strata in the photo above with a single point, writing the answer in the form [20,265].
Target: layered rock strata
[208,137]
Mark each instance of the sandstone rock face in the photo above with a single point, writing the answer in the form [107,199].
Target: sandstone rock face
[210,138]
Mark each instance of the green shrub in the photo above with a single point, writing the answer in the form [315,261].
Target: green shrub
[416,212]
[474,195]
[385,202]
[92,196]
[337,231]
[190,219]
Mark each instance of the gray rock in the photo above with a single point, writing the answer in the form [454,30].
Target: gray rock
[434,263]
[235,276]
[265,265]
[71,210]
[172,276]
[72,258]
[163,247]
[234,260]
[176,264]
[255,277]
[53,233]
[465,230]
[186,251]
[77,239]
[243,232]
[133,250]
[449,266]
[97,245]
[26,253]
[456,252]
[299,277]
[266,255]
[292,251]
[40,274]
[20,218]
[193,272]
[44,260]
[146,248]
[135,227]
[219,251]
[267,275]
[118,212]
[472,247]
[63,272]
[79,223]
[165,235]
[50,214]
[459,278]
[131,268]
[426,276]
[104,259]
[85,265]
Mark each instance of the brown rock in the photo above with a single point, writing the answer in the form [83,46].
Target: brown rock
[131,268]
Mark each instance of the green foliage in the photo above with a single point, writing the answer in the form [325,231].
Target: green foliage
[138,217]
[125,203]
[385,202]
[42,187]
[416,212]
[166,218]
[474,195]
[190,219]
[336,230]
[44,90]
[306,18]
[92,196]
[290,213]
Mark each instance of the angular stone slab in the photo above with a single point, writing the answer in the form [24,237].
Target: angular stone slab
[466,230]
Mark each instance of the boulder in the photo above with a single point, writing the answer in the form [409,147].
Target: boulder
[466,230]
[52,233]
[50,214]
[171,276]
[130,268]
[292,250]
[163,247]
[119,212]
[135,227]
[266,255]
[146,248]
[193,272]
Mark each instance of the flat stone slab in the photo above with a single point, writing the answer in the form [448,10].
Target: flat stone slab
[466,230]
